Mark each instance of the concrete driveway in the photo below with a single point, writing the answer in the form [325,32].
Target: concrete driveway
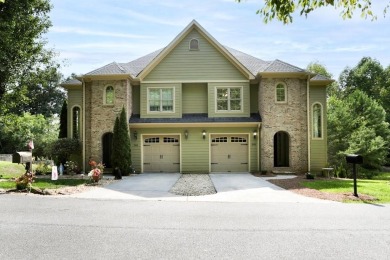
[230,187]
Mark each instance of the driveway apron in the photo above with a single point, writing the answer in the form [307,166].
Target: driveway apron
[230,187]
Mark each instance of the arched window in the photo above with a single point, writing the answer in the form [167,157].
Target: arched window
[317,120]
[194,45]
[76,122]
[281,93]
[109,95]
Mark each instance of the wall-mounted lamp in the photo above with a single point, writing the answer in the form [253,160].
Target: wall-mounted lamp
[186,134]
[254,134]
[135,134]
[204,134]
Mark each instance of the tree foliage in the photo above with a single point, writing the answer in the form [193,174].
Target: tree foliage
[370,77]
[16,131]
[63,148]
[121,151]
[22,24]
[282,10]
[63,133]
[356,125]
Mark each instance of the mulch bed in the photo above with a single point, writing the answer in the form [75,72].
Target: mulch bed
[296,185]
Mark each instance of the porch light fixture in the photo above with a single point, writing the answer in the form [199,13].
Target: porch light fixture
[204,134]
[254,134]
[186,134]
[135,134]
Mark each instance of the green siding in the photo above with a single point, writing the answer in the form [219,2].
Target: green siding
[318,147]
[144,102]
[245,100]
[75,98]
[254,98]
[207,63]
[195,156]
[194,98]
[136,99]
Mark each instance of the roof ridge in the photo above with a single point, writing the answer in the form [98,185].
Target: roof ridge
[290,65]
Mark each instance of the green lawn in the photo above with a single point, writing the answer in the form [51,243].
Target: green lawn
[378,188]
[8,171]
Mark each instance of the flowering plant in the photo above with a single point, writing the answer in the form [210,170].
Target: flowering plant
[97,172]
[72,167]
[25,181]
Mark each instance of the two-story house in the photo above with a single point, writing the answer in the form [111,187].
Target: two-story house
[199,106]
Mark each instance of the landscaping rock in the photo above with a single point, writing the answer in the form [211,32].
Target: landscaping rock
[193,185]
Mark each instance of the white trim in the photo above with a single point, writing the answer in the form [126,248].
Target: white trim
[308,124]
[83,125]
[228,111]
[161,112]
[105,97]
[322,121]
[191,81]
[285,93]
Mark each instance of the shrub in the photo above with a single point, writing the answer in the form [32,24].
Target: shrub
[63,148]
[43,167]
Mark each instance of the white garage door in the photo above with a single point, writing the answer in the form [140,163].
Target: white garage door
[161,154]
[229,153]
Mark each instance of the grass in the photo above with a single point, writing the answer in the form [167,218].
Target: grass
[9,171]
[378,188]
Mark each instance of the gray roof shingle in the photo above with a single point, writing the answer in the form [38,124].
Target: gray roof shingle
[196,118]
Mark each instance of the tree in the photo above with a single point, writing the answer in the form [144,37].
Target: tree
[370,77]
[63,148]
[37,91]
[283,9]
[64,121]
[121,151]
[16,131]
[22,24]
[318,68]
[356,124]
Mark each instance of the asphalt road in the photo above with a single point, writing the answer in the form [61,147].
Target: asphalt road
[65,228]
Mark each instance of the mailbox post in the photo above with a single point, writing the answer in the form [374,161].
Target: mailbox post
[354,159]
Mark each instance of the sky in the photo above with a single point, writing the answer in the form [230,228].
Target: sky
[89,34]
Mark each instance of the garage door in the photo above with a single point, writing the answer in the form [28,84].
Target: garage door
[161,154]
[229,153]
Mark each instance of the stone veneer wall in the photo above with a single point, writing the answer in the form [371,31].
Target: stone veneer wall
[100,118]
[290,117]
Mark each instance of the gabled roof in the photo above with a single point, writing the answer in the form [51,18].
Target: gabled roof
[194,25]
[247,64]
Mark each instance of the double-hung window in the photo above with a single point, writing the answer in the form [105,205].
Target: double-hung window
[160,99]
[281,93]
[229,99]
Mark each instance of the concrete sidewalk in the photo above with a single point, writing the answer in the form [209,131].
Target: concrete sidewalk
[230,187]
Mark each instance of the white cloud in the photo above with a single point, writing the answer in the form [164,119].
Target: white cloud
[76,30]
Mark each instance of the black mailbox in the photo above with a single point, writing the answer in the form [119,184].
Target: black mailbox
[22,157]
[354,158]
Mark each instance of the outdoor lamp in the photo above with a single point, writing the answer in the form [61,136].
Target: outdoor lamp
[254,134]
[135,135]
[186,134]
[204,134]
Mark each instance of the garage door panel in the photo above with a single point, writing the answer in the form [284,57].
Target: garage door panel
[161,154]
[229,153]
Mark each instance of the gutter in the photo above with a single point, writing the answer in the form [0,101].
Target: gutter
[308,123]
[84,145]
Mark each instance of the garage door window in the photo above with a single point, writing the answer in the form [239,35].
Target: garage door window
[238,140]
[152,140]
[219,140]
[170,140]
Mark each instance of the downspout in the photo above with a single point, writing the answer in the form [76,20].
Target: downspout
[83,152]
[308,123]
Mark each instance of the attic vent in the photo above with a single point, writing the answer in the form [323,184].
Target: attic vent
[194,45]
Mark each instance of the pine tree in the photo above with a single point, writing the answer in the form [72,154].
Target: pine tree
[63,121]
[121,152]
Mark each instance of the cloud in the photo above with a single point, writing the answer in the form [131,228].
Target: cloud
[76,30]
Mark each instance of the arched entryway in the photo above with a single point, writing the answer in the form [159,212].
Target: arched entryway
[281,149]
[107,149]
